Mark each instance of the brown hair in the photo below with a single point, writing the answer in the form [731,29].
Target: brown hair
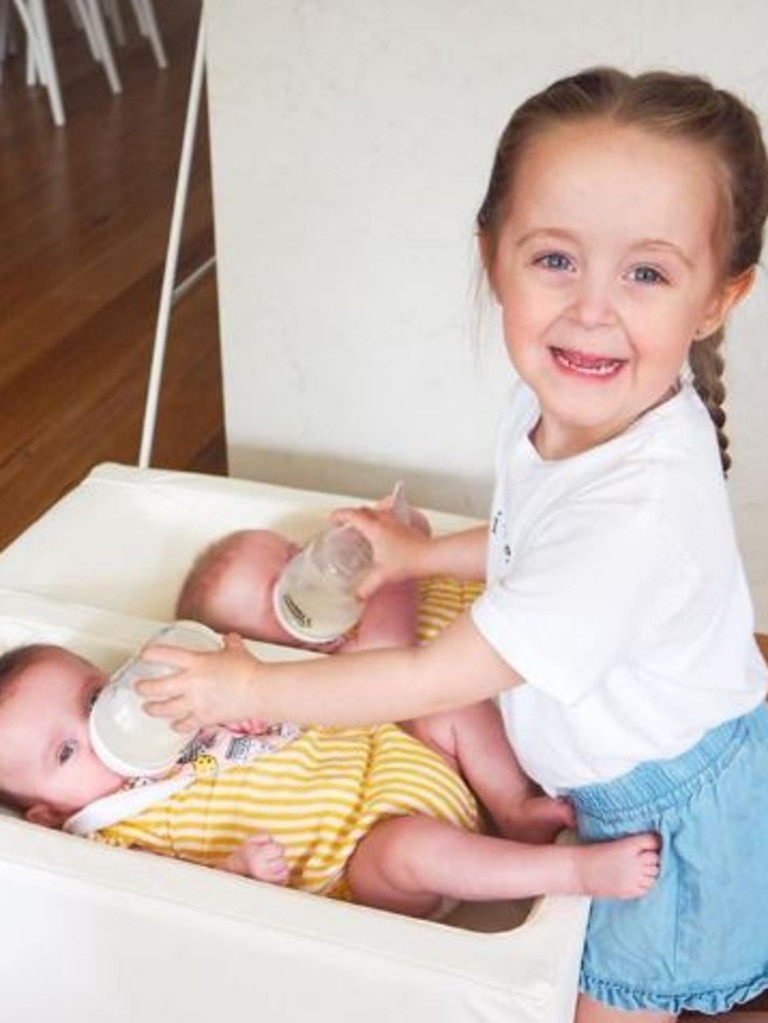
[675,105]
[15,661]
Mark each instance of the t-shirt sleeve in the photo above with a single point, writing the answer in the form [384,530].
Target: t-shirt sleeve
[593,584]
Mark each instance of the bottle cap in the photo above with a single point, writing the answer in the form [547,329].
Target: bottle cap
[298,624]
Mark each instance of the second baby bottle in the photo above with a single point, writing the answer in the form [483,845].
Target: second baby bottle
[315,598]
[124,737]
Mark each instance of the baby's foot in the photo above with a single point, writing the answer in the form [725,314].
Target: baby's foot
[624,868]
[261,858]
[536,819]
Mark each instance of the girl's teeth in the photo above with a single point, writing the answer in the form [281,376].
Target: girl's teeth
[590,365]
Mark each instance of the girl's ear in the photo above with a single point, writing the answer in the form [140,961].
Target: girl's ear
[734,291]
[45,815]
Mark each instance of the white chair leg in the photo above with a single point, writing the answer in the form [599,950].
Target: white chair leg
[147,22]
[113,14]
[4,19]
[75,15]
[35,20]
[91,15]
[11,33]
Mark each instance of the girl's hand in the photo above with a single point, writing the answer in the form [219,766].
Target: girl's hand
[207,689]
[398,547]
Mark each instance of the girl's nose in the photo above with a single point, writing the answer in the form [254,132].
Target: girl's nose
[593,304]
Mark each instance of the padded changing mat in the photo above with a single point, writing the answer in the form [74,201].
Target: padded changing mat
[92,932]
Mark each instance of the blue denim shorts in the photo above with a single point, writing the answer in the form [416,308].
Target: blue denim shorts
[699,938]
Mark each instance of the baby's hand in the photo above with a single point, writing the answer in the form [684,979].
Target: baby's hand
[261,858]
[208,688]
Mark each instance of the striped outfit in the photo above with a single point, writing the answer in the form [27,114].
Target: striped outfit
[440,601]
[317,796]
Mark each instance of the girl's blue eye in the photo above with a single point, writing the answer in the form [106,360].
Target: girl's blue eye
[647,275]
[554,261]
[67,750]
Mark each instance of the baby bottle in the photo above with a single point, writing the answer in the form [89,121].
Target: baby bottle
[124,737]
[315,598]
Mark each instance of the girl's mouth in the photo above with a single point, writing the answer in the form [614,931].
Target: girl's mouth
[587,365]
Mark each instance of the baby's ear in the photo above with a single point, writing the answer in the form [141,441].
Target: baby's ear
[45,815]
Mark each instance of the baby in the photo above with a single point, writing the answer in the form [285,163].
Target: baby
[370,814]
[230,588]
[231,584]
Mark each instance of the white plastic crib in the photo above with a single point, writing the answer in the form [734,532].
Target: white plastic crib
[93,933]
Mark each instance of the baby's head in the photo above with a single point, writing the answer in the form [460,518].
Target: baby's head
[48,768]
[689,120]
[230,585]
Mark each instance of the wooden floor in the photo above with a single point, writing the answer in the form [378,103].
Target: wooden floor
[84,218]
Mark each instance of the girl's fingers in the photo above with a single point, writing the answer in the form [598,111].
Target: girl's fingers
[187,725]
[157,689]
[174,709]
[359,518]
[174,655]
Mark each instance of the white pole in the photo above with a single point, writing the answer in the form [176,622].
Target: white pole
[172,254]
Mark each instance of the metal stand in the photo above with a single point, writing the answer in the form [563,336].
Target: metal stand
[168,293]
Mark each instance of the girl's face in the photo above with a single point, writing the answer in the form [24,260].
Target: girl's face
[606,268]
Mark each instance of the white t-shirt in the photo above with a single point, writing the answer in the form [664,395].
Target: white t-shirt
[616,589]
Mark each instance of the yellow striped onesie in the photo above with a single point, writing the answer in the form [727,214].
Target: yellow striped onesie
[317,795]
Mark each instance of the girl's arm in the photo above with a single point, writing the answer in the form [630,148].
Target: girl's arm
[459,667]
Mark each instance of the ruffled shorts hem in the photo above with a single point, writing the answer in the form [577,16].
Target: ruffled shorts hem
[716,1000]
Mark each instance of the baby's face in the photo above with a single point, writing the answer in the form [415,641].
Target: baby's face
[45,750]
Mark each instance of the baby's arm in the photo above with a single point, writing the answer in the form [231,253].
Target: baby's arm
[260,857]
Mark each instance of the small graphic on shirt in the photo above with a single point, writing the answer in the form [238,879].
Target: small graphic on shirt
[215,749]
[499,536]
[205,765]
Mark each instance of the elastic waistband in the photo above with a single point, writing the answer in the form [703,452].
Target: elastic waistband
[663,783]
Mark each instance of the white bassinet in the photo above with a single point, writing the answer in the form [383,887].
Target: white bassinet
[94,933]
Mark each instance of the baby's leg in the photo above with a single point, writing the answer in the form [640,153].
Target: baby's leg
[389,619]
[261,858]
[474,741]
[408,864]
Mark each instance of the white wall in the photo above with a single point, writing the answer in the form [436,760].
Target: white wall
[352,141]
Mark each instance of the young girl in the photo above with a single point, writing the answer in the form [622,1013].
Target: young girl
[622,223]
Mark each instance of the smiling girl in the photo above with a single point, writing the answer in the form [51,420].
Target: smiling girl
[622,223]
